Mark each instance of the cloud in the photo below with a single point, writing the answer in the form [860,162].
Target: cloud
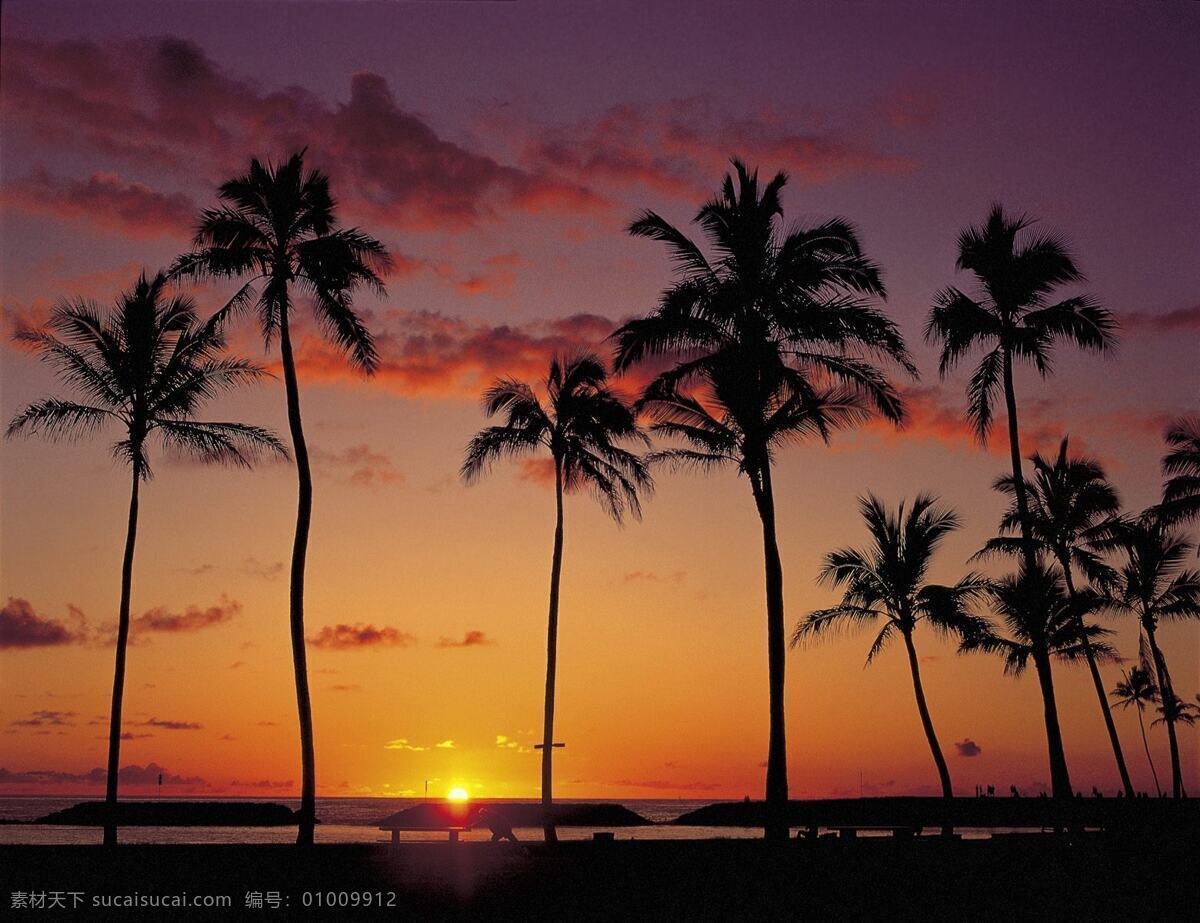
[430,354]
[680,146]
[22,627]
[474,638]
[668,785]
[649,576]
[104,199]
[1178,320]
[358,466]
[44,718]
[507,743]
[160,619]
[446,745]
[263,570]
[169,725]
[539,471]
[401,743]
[128,775]
[262,783]
[163,104]
[344,637]
[126,735]
[967,747]
[345,687]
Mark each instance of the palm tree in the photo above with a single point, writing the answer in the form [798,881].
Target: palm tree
[580,425]
[774,341]
[1153,585]
[278,226]
[1138,690]
[1012,316]
[1181,495]
[1043,624]
[887,581]
[148,364]
[1070,505]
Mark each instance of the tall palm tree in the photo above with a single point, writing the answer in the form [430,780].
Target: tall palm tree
[1070,505]
[1014,318]
[1181,495]
[774,340]
[1153,585]
[887,581]
[1138,689]
[579,424]
[148,364]
[1041,623]
[277,226]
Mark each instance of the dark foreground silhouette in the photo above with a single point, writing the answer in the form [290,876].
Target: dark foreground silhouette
[1019,876]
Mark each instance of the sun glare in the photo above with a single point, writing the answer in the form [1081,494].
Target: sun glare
[457,794]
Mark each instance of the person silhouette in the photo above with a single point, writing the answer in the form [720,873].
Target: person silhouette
[497,823]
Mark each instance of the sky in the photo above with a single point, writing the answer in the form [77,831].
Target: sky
[499,150]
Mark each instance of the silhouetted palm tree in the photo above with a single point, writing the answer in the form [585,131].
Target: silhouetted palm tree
[1138,690]
[1153,585]
[777,339]
[1042,624]
[579,425]
[278,226]
[1013,317]
[148,364]
[1070,505]
[1181,495]
[887,581]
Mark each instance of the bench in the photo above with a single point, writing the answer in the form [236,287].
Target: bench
[452,830]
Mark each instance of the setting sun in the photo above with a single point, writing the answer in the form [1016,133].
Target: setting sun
[457,794]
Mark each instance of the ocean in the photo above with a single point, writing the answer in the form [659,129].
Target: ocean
[343,820]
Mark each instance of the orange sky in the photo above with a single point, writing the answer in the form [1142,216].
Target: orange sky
[662,656]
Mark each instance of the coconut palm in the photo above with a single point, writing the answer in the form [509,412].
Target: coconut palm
[1181,495]
[1153,585]
[1139,690]
[774,340]
[1041,622]
[579,424]
[277,227]
[146,365]
[887,581]
[1014,318]
[1070,506]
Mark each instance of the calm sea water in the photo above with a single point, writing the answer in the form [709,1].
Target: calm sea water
[343,820]
[355,820]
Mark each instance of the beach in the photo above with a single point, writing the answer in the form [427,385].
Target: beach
[1012,877]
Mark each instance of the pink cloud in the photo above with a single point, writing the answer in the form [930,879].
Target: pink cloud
[358,465]
[1180,319]
[106,200]
[22,627]
[474,638]
[348,637]
[193,618]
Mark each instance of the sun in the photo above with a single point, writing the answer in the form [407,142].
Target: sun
[457,794]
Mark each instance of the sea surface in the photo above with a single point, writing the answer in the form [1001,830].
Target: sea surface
[355,820]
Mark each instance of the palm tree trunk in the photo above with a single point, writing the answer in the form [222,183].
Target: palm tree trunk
[776,827]
[927,722]
[308,788]
[1094,669]
[1166,693]
[551,835]
[118,694]
[1014,446]
[1146,746]
[1060,779]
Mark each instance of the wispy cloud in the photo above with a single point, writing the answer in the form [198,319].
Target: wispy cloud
[359,636]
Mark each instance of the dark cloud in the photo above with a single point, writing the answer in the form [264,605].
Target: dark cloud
[649,576]
[349,637]
[128,775]
[22,627]
[169,725]
[1178,320]
[473,638]
[161,619]
[44,718]
[263,570]
[103,199]
[668,785]
[967,747]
